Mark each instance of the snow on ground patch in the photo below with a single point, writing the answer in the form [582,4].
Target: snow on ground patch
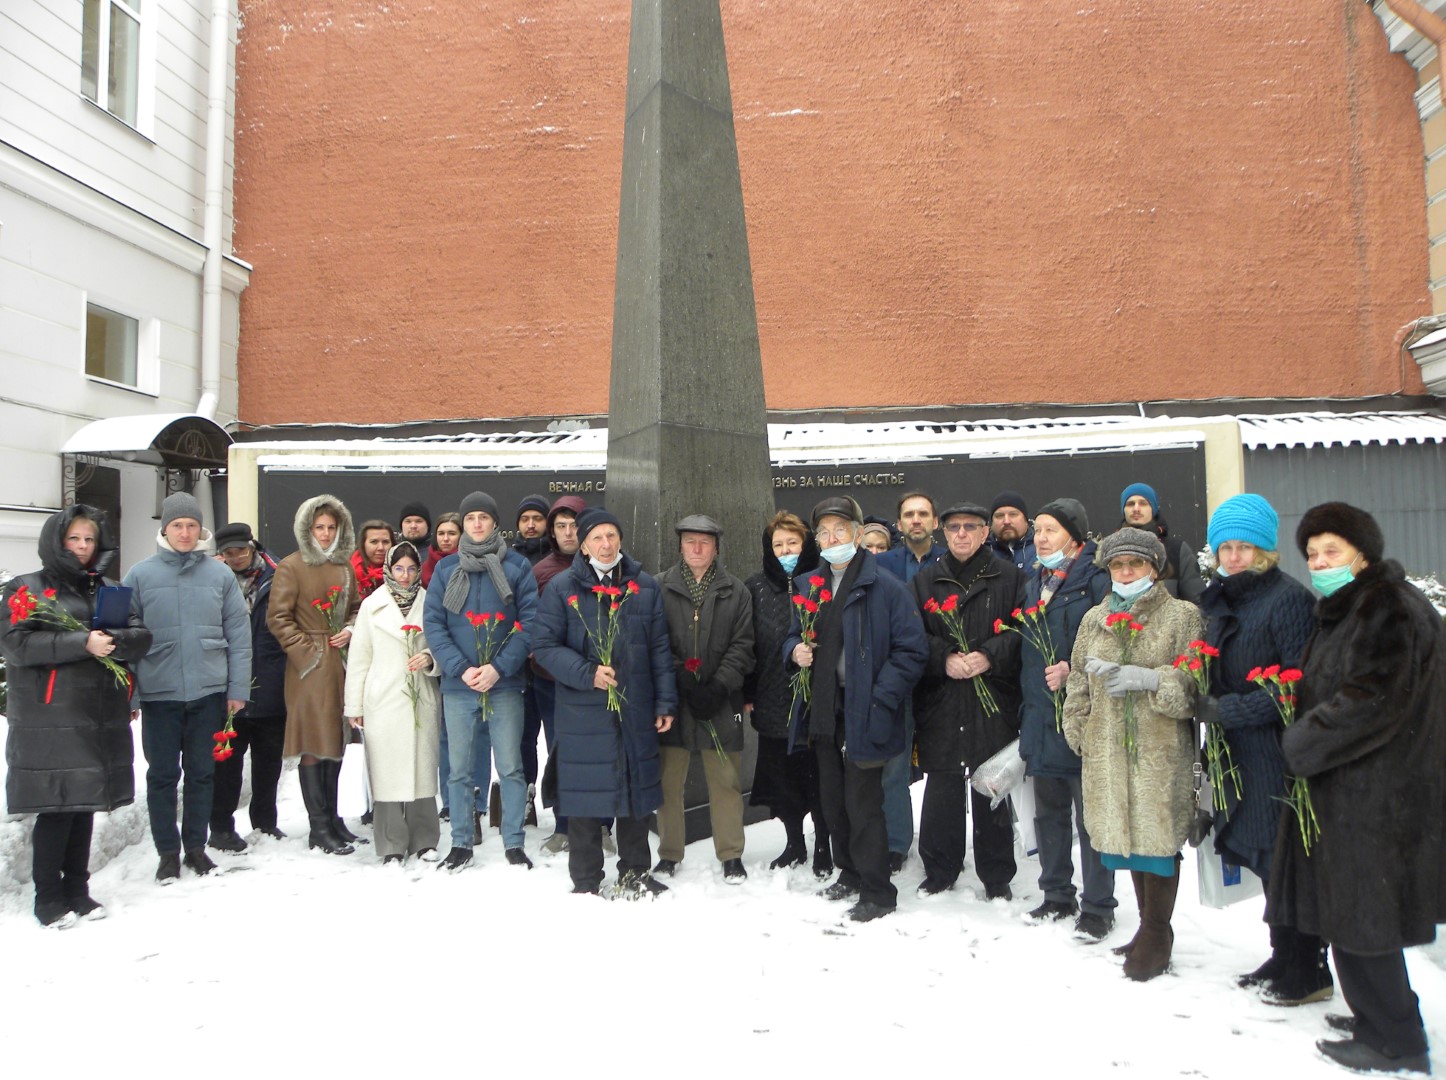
[365,968]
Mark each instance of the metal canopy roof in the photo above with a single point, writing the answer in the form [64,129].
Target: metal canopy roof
[175,440]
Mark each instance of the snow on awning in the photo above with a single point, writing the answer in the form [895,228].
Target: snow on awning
[175,440]
[1259,432]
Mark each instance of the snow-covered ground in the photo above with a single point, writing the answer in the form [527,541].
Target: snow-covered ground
[292,959]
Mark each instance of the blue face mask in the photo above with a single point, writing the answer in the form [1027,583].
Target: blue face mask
[838,553]
[1132,589]
[1052,562]
[789,563]
[1222,571]
[1332,580]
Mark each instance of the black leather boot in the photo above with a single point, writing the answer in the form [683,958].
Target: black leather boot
[331,770]
[1307,974]
[318,811]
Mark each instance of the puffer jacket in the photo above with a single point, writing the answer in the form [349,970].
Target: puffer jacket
[69,746]
[200,629]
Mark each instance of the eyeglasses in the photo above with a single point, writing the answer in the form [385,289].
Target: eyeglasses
[1130,563]
[398,570]
[954,528]
[838,535]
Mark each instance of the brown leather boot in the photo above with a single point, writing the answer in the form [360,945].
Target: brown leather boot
[1151,954]
[1127,947]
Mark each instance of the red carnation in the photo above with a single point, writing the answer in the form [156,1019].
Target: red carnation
[49,594]
[1290,675]
[825,596]
[816,581]
[950,602]
[1210,651]
[810,607]
[999,626]
[1271,671]
[1253,674]
[633,588]
[931,605]
[692,665]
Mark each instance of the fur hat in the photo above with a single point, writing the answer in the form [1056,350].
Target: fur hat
[306,546]
[1350,523]
[1248,519]
[1132,542]
[1070,513]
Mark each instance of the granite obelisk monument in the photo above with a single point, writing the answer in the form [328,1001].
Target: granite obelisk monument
[687,431]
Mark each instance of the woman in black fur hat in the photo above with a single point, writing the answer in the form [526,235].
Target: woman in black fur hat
[1370,737]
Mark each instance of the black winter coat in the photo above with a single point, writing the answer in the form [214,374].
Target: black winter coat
[1255,620]
[268,658]
[951,729]
[768,687]
[721,636]
[1041,743]
[1370,736]
[606,767]
[69,746]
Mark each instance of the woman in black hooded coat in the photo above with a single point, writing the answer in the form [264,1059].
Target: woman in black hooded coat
[69,747]
[785,783]
[1370,737]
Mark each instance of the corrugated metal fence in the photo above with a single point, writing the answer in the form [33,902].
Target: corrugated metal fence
[1402,485]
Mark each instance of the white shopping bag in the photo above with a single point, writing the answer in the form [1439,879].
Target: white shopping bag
[1023,799]
[352,789]
[1223,883]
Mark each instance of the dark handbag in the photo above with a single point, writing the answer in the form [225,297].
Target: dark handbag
[1202,821]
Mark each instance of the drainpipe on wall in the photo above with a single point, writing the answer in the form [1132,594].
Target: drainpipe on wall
[217,70]
[1429,26]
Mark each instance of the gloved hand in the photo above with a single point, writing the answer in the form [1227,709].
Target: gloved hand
[1207,710]
[708,697]
[1131,677]
[1095,666]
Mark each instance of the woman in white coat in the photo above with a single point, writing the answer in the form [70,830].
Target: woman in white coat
[391,693]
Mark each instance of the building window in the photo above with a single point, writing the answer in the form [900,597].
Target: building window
[110,62]
[112,344]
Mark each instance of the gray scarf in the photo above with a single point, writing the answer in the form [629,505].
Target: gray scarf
[474,557]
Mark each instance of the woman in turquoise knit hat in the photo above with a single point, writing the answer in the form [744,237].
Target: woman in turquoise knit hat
[1256,616]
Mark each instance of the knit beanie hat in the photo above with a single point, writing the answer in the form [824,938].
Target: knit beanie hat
[415,509]
[235,534]
[1132,542]
[594,516]
[1247,519]
[1070,513]
[1141,489]
[480,500]
[182,504]
[1350,523]
[1008,498]
[533,502]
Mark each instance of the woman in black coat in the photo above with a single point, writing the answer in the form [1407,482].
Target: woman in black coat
[1370,737]
[69,749]
[1257,616]
[785,783]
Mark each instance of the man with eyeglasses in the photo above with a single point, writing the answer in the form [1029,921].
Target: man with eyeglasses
[917,522]
[868,651]
[966,706]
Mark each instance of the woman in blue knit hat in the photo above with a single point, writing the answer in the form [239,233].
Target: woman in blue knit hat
[1256,616]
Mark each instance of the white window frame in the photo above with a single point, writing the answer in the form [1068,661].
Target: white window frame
[143,12]
[148,337]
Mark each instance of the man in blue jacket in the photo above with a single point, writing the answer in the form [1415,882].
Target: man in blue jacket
[479,613]
[867,652]
[1011,535]
[198,669]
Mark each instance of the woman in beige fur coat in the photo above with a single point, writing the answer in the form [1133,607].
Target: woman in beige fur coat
[318,573]
[1138,799]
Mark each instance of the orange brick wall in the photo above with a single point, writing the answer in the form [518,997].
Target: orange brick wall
[948,202]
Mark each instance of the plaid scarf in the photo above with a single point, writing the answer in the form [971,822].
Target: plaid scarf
[1051,580]
[698,587]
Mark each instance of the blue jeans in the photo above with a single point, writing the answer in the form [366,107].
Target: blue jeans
[176,738]
[469,744]
[480,765]
[898,803]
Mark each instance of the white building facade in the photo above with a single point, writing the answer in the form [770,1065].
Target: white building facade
[119,297]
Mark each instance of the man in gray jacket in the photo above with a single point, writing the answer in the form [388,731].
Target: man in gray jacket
[198,669]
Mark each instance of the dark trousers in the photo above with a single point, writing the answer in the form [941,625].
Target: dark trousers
[176,738]
[531,728]
[943,832]
[853,806]
[61,866]
[1055,799]
[585,850]
[1388,1017]
[264,736]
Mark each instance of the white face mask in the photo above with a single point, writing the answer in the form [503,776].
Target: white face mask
[1131,589]
[838,554]
[603,568]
